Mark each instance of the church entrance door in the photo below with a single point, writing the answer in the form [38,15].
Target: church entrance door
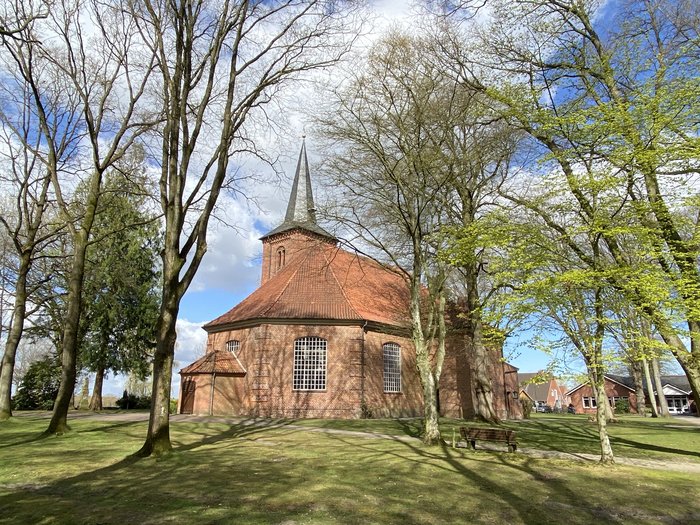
[188,390]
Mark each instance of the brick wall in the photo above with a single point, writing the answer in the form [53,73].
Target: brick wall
[267,353]
[611,389]
[292,243]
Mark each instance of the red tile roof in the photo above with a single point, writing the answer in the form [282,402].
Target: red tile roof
[327,282]
[219,362]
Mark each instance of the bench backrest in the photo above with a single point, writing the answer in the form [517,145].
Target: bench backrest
[488,434]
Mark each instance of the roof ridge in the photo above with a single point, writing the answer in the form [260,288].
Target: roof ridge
[342,290]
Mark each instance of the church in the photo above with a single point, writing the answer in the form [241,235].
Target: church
[326,335]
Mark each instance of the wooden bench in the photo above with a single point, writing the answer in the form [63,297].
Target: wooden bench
[472,435]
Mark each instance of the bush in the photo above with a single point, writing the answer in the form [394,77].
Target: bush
[365,411]
[39,386]
[622,406]
[527,407]
[173,406]
[131,401]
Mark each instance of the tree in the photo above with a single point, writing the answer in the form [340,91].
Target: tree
[120,284]
[614,108]
[385,129]
[219,65]
[28,181]
[39,386]
[108,83]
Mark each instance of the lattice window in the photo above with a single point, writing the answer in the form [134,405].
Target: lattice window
[309,363]
[392,367]
[233,346]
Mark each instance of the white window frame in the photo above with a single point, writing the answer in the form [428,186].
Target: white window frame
[233,346]
[589,402]
[310,364]
[391,354]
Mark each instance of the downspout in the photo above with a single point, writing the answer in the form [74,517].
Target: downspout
[362,367]
[211,394]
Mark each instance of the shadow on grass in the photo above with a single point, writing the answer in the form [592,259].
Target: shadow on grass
[247,472]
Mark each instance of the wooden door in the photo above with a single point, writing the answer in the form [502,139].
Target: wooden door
[188,389]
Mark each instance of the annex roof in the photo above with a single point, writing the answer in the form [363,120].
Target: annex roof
[326,283]
[217,362]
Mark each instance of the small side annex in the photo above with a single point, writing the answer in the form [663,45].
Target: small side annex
[327,335]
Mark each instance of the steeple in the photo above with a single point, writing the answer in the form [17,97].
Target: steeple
[299,231]
[301,201]
[301,212]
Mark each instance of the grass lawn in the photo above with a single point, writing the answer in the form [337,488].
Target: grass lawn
[632,436]
[229,474]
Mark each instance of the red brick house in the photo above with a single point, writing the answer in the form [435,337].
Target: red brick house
[327,334]
[544,390]
[616,388]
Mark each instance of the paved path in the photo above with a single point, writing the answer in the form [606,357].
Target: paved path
[691,467]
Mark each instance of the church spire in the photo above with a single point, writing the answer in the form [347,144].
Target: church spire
[301,201]
[301,211]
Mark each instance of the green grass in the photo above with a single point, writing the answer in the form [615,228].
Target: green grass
[631,436]
[224,474]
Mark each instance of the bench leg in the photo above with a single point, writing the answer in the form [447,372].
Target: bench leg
[512,447]
[473,444]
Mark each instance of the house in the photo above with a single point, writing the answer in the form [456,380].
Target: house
[616,388]
[543,389]
[326,334]
[679,396]
[676,390]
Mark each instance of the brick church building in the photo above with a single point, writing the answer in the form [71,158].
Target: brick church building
[326,334]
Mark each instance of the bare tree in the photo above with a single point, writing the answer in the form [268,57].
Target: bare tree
[102,75]
[27,180]
[384,127]
[220,64]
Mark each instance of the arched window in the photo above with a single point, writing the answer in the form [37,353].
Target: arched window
[233,346]
[392,367]
[309,364]
[280,257]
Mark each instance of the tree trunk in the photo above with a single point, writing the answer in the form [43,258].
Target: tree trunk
[656,374]
[637,377]
[158,437]
[96,399]
[606,452]
[69,339]
[483,386]
[650,389]
[13,337]
[431,422]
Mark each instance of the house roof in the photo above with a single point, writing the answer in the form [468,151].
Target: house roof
[537,391]
[326,282]
[624,381]
[217,362]
[679,382]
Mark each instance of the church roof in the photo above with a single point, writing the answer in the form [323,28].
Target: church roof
[218,362]
[326,283]
[301,211]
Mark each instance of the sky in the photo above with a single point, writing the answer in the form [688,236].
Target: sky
[230,270]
